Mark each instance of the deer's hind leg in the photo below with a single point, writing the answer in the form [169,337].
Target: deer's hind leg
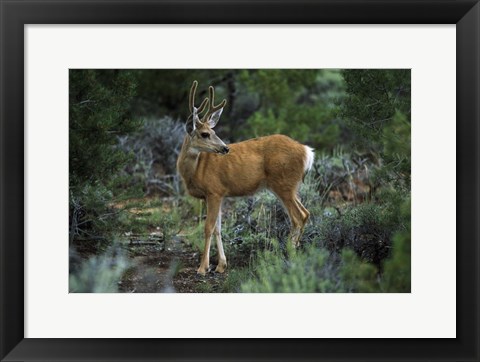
[305,212]
[222,260]
[297,213]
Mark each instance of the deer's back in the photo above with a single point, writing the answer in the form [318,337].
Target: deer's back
[271,161]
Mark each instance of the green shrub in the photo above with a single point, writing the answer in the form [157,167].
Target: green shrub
[315,269]
[234,280]
[98,274]
[357,275]
[306,271]
[360,276]
[360,228]
[367,228]
[397,270]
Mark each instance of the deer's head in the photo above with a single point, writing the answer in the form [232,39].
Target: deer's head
[201,133]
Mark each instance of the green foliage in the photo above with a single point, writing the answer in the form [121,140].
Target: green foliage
[196,237]
[357,275]
[297,103]
[396,136]
[397,150]
[373,98]
[99,274]
[278,87]
[98,105]
[235,279]
[397,269]
[265,123]
[90,210]
[139,223]
[99,101]
[364,264]
[204,287]
[146,217]
[294,272]
[167,222]
[366,228]
[362,277]
[377,109]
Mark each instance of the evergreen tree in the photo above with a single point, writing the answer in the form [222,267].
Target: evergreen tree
[295,102]
[99,101]
[377,111]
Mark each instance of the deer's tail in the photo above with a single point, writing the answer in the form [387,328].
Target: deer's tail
[308,162]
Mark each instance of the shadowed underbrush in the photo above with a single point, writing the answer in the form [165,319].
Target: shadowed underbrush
[357,238]
[361,246]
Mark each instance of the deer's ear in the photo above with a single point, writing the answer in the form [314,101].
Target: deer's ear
[212,122]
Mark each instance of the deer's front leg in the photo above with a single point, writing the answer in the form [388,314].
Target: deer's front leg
[213,209]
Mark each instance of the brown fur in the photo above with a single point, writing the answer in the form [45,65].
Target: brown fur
[275,162]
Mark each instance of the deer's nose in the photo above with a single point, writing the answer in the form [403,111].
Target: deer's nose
[226,149]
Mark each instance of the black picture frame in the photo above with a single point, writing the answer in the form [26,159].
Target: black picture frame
[15,14]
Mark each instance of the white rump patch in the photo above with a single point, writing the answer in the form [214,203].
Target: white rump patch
[309,159]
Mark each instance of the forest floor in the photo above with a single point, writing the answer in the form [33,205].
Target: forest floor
[159,264]
[167,267]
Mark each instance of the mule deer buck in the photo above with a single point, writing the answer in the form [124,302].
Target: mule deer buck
[211,170]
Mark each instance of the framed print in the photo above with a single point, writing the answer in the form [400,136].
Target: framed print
[324,74]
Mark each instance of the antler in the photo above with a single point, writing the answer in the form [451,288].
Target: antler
[212,108]
[191,100]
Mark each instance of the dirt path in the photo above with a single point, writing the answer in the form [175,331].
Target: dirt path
[159,267]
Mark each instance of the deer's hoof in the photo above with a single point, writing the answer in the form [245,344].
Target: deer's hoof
[201,271]
[221,268]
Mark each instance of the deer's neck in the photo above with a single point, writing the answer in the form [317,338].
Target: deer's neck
[187,161]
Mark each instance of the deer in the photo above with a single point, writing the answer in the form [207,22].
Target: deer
[211,171]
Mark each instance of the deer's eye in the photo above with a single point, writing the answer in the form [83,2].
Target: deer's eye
[205,135]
